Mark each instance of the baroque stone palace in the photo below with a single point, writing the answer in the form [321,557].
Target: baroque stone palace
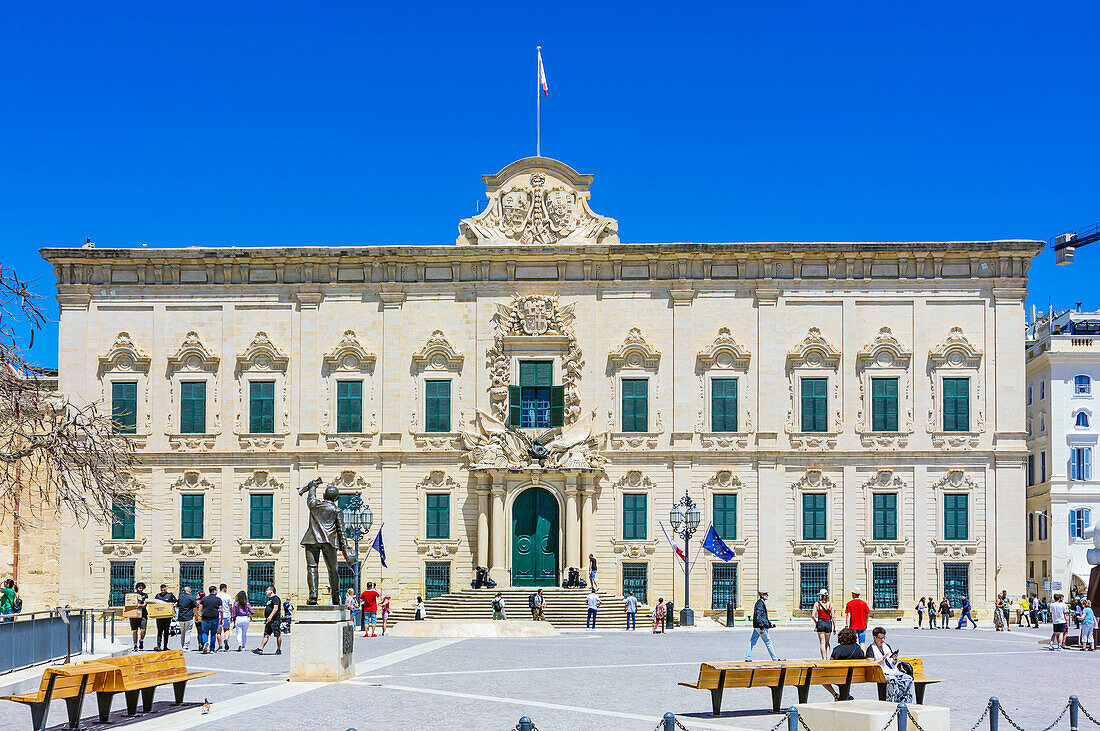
[847,414]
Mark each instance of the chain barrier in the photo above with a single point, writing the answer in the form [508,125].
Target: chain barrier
[913,718]
[980,719]
[890,723]
[1088,715]
[802,723]
[782,722]
[1017,726]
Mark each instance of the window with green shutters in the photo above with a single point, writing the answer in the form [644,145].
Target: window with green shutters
[439,516]
[634,517]
[261,574]
[261,516]
[815,404]
[884,404]
[123,526]
[261,407]
[191,516]
[437,406]
[956,404]
[536,402]
[956,582]
[724,517]
[349,407]
[885,511]
[956,517]
[723,404]
[122,582]
[813,516]
[193,407]
[124,406]
[635,404]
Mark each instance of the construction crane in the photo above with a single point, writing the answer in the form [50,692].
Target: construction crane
[1064,244]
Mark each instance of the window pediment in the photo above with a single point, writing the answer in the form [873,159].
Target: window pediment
[124,355]
[193,355]
[724,352]
[348,355]
[956,351]
[885,351]
[263,355]
[191,481]
[635,352]
[261,480]
[438,354]
[814,352]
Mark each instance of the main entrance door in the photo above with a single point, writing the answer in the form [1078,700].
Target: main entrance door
[535,539]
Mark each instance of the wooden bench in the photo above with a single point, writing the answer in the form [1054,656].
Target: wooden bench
[68,683]
[143,673]
[919,681]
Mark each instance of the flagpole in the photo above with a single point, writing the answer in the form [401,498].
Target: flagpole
[538,105]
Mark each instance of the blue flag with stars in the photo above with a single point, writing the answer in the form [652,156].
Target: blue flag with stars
[715,545]
[377,545]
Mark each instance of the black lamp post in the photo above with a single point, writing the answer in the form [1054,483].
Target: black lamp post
[357,522]
[685,516]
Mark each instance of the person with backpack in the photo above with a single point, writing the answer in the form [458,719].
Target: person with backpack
[920,614]
[540,606]
[531,604]
[10,603]
[945,613]
[498,607]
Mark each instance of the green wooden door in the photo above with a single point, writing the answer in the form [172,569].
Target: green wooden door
[535,539]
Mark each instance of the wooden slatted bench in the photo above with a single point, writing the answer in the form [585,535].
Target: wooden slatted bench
[66,682]
[143,673]
[919,681]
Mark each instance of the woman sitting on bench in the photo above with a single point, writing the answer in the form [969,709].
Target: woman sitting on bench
[848,649]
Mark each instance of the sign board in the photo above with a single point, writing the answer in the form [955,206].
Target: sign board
[1055,585]
[1046,586]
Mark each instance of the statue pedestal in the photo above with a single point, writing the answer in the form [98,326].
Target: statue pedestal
[322,645]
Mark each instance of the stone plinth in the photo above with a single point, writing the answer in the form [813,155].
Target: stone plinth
[868,716]
[323,644]
[474,628]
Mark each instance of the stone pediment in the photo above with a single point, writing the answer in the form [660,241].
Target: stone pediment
[537,200]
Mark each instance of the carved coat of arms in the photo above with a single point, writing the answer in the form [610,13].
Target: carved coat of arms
[534,314]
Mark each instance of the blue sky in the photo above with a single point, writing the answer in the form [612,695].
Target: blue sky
[342,123]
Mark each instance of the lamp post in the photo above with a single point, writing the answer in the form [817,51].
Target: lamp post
[685,516]
[357,522]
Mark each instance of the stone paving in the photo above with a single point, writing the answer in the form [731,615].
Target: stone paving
[606,679]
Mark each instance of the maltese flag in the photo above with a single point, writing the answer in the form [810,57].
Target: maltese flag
[679,551]
[542,76]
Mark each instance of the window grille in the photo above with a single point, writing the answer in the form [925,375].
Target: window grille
[723,585]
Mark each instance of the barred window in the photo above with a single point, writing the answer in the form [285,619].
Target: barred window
[956,582]
[261,574]
[122,581]
[723,585]
[437,578]
[192,575]
[885,585]
[635,579]
[813,577]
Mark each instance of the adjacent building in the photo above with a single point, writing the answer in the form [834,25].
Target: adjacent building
[1063,494]
[846,414]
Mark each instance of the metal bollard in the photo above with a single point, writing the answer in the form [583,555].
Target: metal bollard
[1074,709]
[792,719]
[903,717]
[525,724]
[669,721]
[994,713]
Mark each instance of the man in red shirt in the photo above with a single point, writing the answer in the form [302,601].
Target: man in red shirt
[855,615]
[369,601]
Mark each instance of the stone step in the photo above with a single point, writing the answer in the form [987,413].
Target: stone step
[564,607]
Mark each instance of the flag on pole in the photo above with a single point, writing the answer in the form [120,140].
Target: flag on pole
[715,545]
[542,75]
[377,545]
[679,551]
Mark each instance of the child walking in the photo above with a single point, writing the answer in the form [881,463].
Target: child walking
[659,617]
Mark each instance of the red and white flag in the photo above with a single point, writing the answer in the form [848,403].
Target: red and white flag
[679,551]
[542,75]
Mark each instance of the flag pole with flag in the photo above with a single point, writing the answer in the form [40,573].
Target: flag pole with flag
[679,551]
[714,544]
[542,91]
[376,545]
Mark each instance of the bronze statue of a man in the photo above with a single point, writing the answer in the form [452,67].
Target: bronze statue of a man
[324,535]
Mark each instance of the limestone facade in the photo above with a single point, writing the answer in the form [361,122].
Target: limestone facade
[537,276]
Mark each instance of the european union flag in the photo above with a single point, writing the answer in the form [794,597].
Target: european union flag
[377,545]
[715,545]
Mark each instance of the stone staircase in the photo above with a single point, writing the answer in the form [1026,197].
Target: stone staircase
[565,608]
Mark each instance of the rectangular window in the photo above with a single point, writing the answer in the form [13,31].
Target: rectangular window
[1030,470]
[1031,569]
[956,582]
[813,577]
[261,574]
[536,402]
[885,584]
[437,406]
[349,407]
[437,578]
[192,574]
[1080,463]
[813,516]
[438,525]
[1045,574]
[956,517]
[124,407]
[634,517]
[723,585]
[261,516]
[193,407]
[884,404]
[885,508]
[956,404]
[1030,527]
[815,402]
[724,516]
[1042,466]
[346,573]
[1043,531]
[191,516]
[122,582]
[261,407]
[122,519]
[635,579]
[635,405]
[723,404]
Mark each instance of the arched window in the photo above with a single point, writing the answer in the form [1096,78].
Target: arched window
[1079,521]
[1029,395]
[1082,386]
[1082,420]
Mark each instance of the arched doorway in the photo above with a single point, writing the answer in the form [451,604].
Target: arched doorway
[535,538]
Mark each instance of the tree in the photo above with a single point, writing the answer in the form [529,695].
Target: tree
[59,456]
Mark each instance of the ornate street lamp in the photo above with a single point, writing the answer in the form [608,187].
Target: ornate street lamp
[357,522]
[685,516]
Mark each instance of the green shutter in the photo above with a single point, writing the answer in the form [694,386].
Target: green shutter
[123,523]
[885,509]
[723,405]
[193,407]
[884,404]
[557,406]
[635,405]
[437,406]
[261,517]
[813,516]
[515,406]
[956,404]
[349,407]
[634,517]
[815,404]
[124,406]
[956,517]
[261,407]
[438,519]
[191,517]
[725,516]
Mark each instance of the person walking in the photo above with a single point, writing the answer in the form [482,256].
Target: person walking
[498,607]
[847,649]
[761,624]
[593,604]
[659,616]
[369,601]
[920,614]
[945,613]
[421,611]
[185,613]
[1025,611]
[540,606]
[211,610]
[164,624]
[9,594]
[592,571]
[1058,612]
[964,613]
[138,624]
[272,613]
[241,614]
[630,603]
[352,603]
[384,610]
[225,620]
[932,612]
[1088,626]
[1033,602]
[823,622]
[1002,607]
[856,613]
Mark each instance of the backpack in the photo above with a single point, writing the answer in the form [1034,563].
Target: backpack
[531,601]
[496,605]
[18,606]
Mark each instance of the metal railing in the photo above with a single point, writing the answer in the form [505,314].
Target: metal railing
[33,638]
